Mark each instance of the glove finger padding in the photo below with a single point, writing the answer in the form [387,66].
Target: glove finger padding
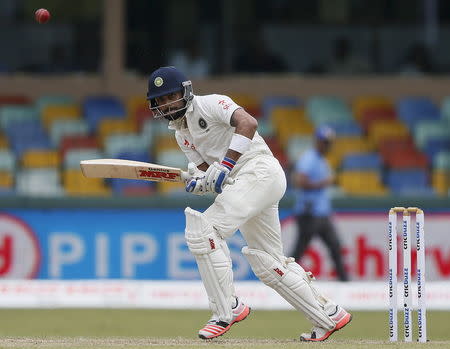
[216,176]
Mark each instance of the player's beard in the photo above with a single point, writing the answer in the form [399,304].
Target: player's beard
[176,115]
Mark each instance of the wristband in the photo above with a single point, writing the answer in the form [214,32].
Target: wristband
[240,143]
[228,163]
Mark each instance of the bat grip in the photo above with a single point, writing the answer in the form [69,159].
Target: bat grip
[185,176]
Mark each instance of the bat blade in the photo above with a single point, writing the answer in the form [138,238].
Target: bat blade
[127,169]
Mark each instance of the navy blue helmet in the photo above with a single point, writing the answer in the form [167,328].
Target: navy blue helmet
[164,81]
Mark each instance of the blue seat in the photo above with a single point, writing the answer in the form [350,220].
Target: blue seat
[135,156]
[97,108]
[119,185]
[408,182]
[346,128]
[414,109]
[435,145]
[271,102]
[361,161]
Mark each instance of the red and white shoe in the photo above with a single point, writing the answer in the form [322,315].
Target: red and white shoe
[215,328]
[319,334]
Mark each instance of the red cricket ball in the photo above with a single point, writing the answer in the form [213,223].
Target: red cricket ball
[42,15]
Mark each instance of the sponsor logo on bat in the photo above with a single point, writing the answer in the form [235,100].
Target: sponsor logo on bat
[158,174]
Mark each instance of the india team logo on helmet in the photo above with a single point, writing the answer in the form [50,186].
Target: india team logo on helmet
[165,81]
[159,81]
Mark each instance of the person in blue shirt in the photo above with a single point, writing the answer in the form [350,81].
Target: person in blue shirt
[312,177]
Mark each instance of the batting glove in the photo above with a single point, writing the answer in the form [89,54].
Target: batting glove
[217,174]
[196,182]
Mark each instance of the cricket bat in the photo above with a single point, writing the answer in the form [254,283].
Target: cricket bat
[116,168]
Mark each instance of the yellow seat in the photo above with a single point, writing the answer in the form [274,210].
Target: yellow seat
[289,122]
[170,187]
[382,130]
[6,179]
[369,102]
[109,127]
[245,100]
[4,144]
[361,183]
[345,145]
[75,184]
[134,103]
[40,159]
[164,143]
[441,181]
[58,112]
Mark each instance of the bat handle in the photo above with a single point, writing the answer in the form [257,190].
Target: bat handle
[185,176]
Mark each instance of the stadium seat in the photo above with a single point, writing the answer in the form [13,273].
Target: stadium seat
[346,128]
[413,109]
[119,143]
[6,182]
[442,160]
[75,184]
[271,102]
[59,100]
[130,187]
[77,142]
[426,130]
[7,161]
[265,128]
[51,113]
[408,182]
[380,131]
[361,161]
[172,158]
[15,114]
[14,100]
[167,142]
[289,122]
[369,116]
[73,157]
[363,103]
[64,128]
[4,144]
[108,127]
[445,109]
[441,181]
[297,145]
[39,182]
[250,103]
[98,108]
[361,183]
[40,159]
[324,109]
[433,146]
[346,145]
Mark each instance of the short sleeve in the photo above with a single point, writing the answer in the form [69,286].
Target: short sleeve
[220,107]
[188,149]
[304,164]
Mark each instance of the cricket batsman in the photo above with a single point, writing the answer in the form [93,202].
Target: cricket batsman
[220,140]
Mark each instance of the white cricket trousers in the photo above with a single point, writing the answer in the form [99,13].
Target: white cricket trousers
[251,205]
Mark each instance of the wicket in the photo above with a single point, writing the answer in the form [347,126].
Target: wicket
[406,272]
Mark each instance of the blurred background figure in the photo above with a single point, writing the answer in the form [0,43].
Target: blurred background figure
[190,60]
[417,60]
[344,61]
[255,57]
[312,177]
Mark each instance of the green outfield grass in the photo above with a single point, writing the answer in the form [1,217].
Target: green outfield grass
[107,328]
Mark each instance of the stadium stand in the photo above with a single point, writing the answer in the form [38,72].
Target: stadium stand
[382,146]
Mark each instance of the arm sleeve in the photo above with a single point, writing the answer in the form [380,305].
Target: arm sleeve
[188,150]
[221,108]
[303,164]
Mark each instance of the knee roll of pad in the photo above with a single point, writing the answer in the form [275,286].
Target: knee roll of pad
[291,282]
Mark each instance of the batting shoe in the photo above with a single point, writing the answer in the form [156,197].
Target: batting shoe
[318,334]
[215,328]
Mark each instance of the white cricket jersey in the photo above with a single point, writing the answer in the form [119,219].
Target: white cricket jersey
[208,133]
